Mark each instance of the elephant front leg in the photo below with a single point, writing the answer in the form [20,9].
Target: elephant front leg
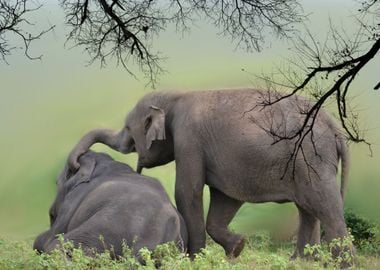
[221,212]
[189,200]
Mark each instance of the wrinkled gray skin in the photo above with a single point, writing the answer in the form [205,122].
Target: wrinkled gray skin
[108,198]
[220,138]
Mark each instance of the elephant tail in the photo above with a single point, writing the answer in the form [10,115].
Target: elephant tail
[345,164]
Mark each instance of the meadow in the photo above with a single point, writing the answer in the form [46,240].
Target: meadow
[260,253]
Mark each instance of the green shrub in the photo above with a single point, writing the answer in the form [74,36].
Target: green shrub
[363,231]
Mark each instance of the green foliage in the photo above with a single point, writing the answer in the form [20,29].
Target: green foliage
[334,254]
[259,253]
[363,231]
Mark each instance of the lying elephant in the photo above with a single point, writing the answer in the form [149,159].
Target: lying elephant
[226,139]
[107,198]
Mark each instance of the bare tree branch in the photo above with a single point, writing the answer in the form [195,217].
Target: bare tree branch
[248,21]
[13,18]
[124,30]
[335,64]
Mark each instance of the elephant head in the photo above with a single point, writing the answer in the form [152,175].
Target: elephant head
[67,181]
[62,210]
[145,131]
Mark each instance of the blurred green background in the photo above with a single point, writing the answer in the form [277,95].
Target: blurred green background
[46,106]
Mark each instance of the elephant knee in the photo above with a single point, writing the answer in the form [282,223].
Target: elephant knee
[215,230]
[211,229]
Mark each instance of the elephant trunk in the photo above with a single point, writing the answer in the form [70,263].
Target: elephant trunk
[105,136]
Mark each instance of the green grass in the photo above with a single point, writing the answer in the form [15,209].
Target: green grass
[260,253]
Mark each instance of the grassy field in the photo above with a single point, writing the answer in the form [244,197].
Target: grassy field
[260,253]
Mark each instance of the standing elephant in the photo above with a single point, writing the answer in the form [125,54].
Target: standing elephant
[223,139]
[107,199]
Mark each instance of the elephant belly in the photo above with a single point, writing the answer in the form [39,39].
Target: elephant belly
[253,186]
[251,172]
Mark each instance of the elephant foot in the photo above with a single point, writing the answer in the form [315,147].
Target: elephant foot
[236,248]
[298,254]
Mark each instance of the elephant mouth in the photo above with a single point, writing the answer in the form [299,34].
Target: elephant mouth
[144,162]
[128,149]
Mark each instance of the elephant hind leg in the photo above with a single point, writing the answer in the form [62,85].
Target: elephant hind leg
[308,232]
[335,228]
[329,210]
[333,223]
[221,212]
[327,206]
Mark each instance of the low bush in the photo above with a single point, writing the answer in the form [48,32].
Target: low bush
[364,231]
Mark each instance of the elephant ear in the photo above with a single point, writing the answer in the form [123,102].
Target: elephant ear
[84,174]
[154,126]
[87,166]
